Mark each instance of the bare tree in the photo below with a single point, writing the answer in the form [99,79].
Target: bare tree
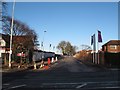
[23,36]
[3,9]
[67,48]
[85,47]
[19,28]
[3,12]
[62,46]
[0,11]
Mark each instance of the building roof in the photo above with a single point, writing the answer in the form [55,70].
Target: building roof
[16,39]
[112,42]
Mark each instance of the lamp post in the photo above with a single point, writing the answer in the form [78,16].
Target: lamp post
[42,47]
[11,30]
[43,39]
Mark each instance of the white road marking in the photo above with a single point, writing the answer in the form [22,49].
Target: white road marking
[18,86]
[104,87]
[59,83]
[77,85]
[104,82]
[80,86]
[81,83]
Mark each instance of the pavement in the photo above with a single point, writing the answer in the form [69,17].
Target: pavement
[13,69]
[24,67]
[93,64]
[104,67]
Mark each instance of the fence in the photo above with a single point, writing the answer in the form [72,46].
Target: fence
[112,59]
[103,58]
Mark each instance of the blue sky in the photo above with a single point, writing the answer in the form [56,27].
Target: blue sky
[74,22]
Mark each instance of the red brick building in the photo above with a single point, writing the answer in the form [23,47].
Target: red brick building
[111,53]
[112,46]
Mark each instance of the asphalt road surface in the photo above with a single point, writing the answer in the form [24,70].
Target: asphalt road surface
[66,74]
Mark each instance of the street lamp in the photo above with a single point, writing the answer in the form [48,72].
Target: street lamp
[43,39]
[11,30]
[42,44]
[42,47]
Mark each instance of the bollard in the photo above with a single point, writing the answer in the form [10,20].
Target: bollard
[18,66]
[34,59]
[42,64]
[52,59]
[35,65]
[56,58]
[48,61]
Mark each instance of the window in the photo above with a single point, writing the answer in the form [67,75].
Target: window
[113,46]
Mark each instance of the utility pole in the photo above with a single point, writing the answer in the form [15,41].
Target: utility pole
[11,30]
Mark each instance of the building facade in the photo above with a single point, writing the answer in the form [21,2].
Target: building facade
[111,53]
[4,44]
[112,46]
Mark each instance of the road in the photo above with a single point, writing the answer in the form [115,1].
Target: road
[66,74]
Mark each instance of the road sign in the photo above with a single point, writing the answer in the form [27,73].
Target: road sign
[21,54]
